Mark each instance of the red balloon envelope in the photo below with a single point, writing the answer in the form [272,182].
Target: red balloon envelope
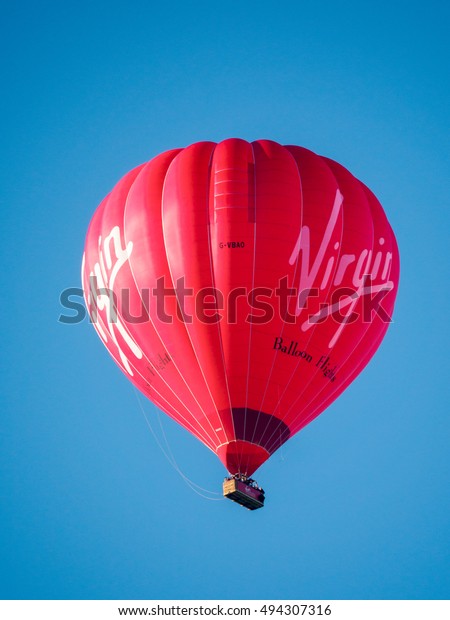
[241,287]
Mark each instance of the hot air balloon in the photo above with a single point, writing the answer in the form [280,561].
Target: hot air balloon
[241,287]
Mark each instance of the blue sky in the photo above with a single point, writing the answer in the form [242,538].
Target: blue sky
[358,503]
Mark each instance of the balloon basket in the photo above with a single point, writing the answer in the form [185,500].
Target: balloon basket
[244,491]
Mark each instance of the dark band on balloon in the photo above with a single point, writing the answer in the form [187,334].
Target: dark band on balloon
[260,428]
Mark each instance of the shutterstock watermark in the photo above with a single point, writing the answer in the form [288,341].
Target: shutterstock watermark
[169,303]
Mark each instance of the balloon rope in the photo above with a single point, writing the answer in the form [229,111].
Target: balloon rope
[171,459]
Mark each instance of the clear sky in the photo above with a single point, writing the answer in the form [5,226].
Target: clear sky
[358,503]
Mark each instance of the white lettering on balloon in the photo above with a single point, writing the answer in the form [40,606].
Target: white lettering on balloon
[308,276]
[112,257]
[362,269]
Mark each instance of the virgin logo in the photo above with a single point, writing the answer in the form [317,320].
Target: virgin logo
[112,257]
[363,272]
